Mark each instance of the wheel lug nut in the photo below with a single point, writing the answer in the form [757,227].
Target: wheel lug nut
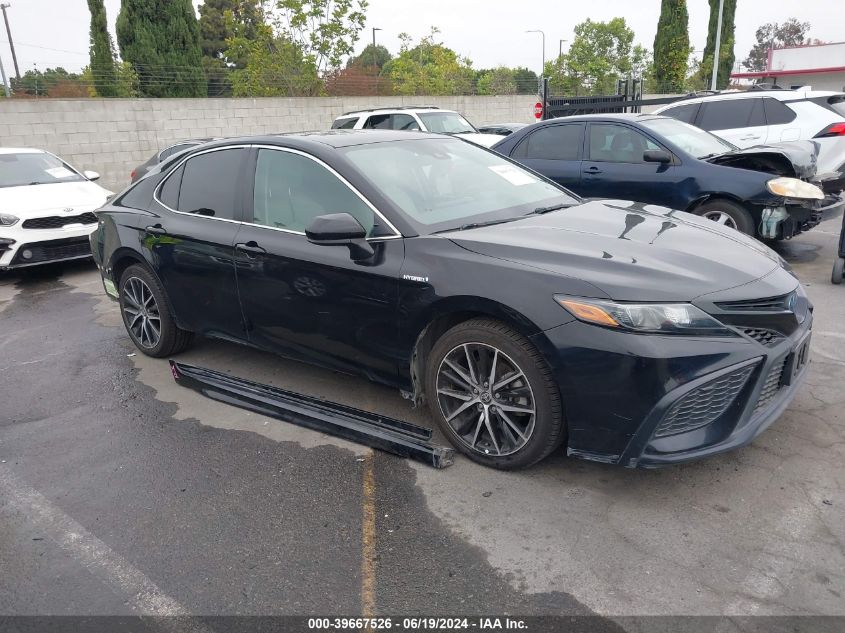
[479,406]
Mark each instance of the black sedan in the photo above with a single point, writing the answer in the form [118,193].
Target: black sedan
[524,316]
[658,160]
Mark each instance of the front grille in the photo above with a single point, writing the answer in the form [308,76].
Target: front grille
[770,338]
[771,386]
[53,250]
[57,222]
[769,304]
[705,404]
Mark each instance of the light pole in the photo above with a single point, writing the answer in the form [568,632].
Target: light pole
[718,49]
[375,28]
[560,52]
[11,43]
[543,69]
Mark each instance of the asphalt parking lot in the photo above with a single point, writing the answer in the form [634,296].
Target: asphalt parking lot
[122,493]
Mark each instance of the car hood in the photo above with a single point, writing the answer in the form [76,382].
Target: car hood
[32,200]
[485,140]
[630,251]
[796,159]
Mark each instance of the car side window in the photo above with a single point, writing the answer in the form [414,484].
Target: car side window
[726,115]
[611,143]
[210,183]
[377,122]
[685,113]
[169,194]
[555,142]
[403,122]
[777,113]
[344,124]
[291,190]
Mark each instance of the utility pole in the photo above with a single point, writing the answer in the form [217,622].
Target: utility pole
[560,51]
[718,49]
[11,43]
[3,75]
[375,59]
[543,68]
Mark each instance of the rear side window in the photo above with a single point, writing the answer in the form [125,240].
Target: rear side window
[685,113]
[556,142]
[169,194]
[378,122]
[345,124]
[210,183]
[777,113]
[726,115]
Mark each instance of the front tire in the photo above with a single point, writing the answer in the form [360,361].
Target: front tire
[493,395]
[147,316]
[728,213]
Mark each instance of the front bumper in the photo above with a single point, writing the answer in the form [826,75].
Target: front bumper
[33,247]
[621,391]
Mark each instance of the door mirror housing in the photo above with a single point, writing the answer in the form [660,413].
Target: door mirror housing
[657,156]
[340,229]
[91,175]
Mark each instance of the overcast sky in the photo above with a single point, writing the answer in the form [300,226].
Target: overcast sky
[490,32]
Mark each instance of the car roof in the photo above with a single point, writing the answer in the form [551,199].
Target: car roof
[329,138]
[388,110]
[608,116]
[21,150]
[780,95]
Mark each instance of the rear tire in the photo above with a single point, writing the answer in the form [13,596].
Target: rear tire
[838,271]
[728,213]
[147,314]
[493,395]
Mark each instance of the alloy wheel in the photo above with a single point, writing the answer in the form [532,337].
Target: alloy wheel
[141,313]
[720,217]
[486,399]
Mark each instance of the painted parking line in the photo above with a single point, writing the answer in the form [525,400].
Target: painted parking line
[368,535]
[97,557]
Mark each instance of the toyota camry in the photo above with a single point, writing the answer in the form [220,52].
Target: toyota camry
[523,316]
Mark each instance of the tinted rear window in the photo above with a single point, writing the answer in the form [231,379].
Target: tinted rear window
[210,183]
[556,142]
[726,115]
[345,124]
[685,113]
[777,113]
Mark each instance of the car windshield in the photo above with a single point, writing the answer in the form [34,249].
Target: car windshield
[689,138]
[443,184]
[445,122]
[34,168]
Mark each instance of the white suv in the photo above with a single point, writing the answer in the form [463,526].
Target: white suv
[415,118]
[771,116]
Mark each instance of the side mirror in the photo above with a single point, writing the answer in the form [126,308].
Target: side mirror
[656,156]
[91,175]
[340,229]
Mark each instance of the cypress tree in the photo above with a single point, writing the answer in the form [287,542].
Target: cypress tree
[671,46]
[102,52]
[726,53]
[161,39]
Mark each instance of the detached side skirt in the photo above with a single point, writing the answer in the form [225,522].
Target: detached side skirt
[388,434]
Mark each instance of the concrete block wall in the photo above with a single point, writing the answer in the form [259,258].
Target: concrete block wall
[112,136]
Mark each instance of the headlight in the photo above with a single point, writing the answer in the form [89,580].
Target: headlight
[8,220]
[794,188]
[653,318]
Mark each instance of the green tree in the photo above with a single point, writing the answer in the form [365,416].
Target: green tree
[217,18]
[671,47]
[161,39]
[601,53]
[325,30]
[275,66]
[48,82]
[101,52]
[726,45]
[499,81]
[125,83]
[371,57]
[527,81]
[774,35]
[429,68]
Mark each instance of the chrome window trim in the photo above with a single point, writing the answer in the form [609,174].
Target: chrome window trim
[396,233]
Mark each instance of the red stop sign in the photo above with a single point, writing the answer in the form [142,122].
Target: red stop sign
[538,110]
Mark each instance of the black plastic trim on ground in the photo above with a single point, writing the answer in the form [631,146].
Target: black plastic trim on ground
[377,431]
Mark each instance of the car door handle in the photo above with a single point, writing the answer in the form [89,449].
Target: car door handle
[250,248]
[592,170]
[158,229]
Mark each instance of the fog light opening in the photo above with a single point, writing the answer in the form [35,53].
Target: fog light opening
[26,254]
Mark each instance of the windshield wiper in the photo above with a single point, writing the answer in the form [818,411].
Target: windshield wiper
[554,207]
[476,225]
